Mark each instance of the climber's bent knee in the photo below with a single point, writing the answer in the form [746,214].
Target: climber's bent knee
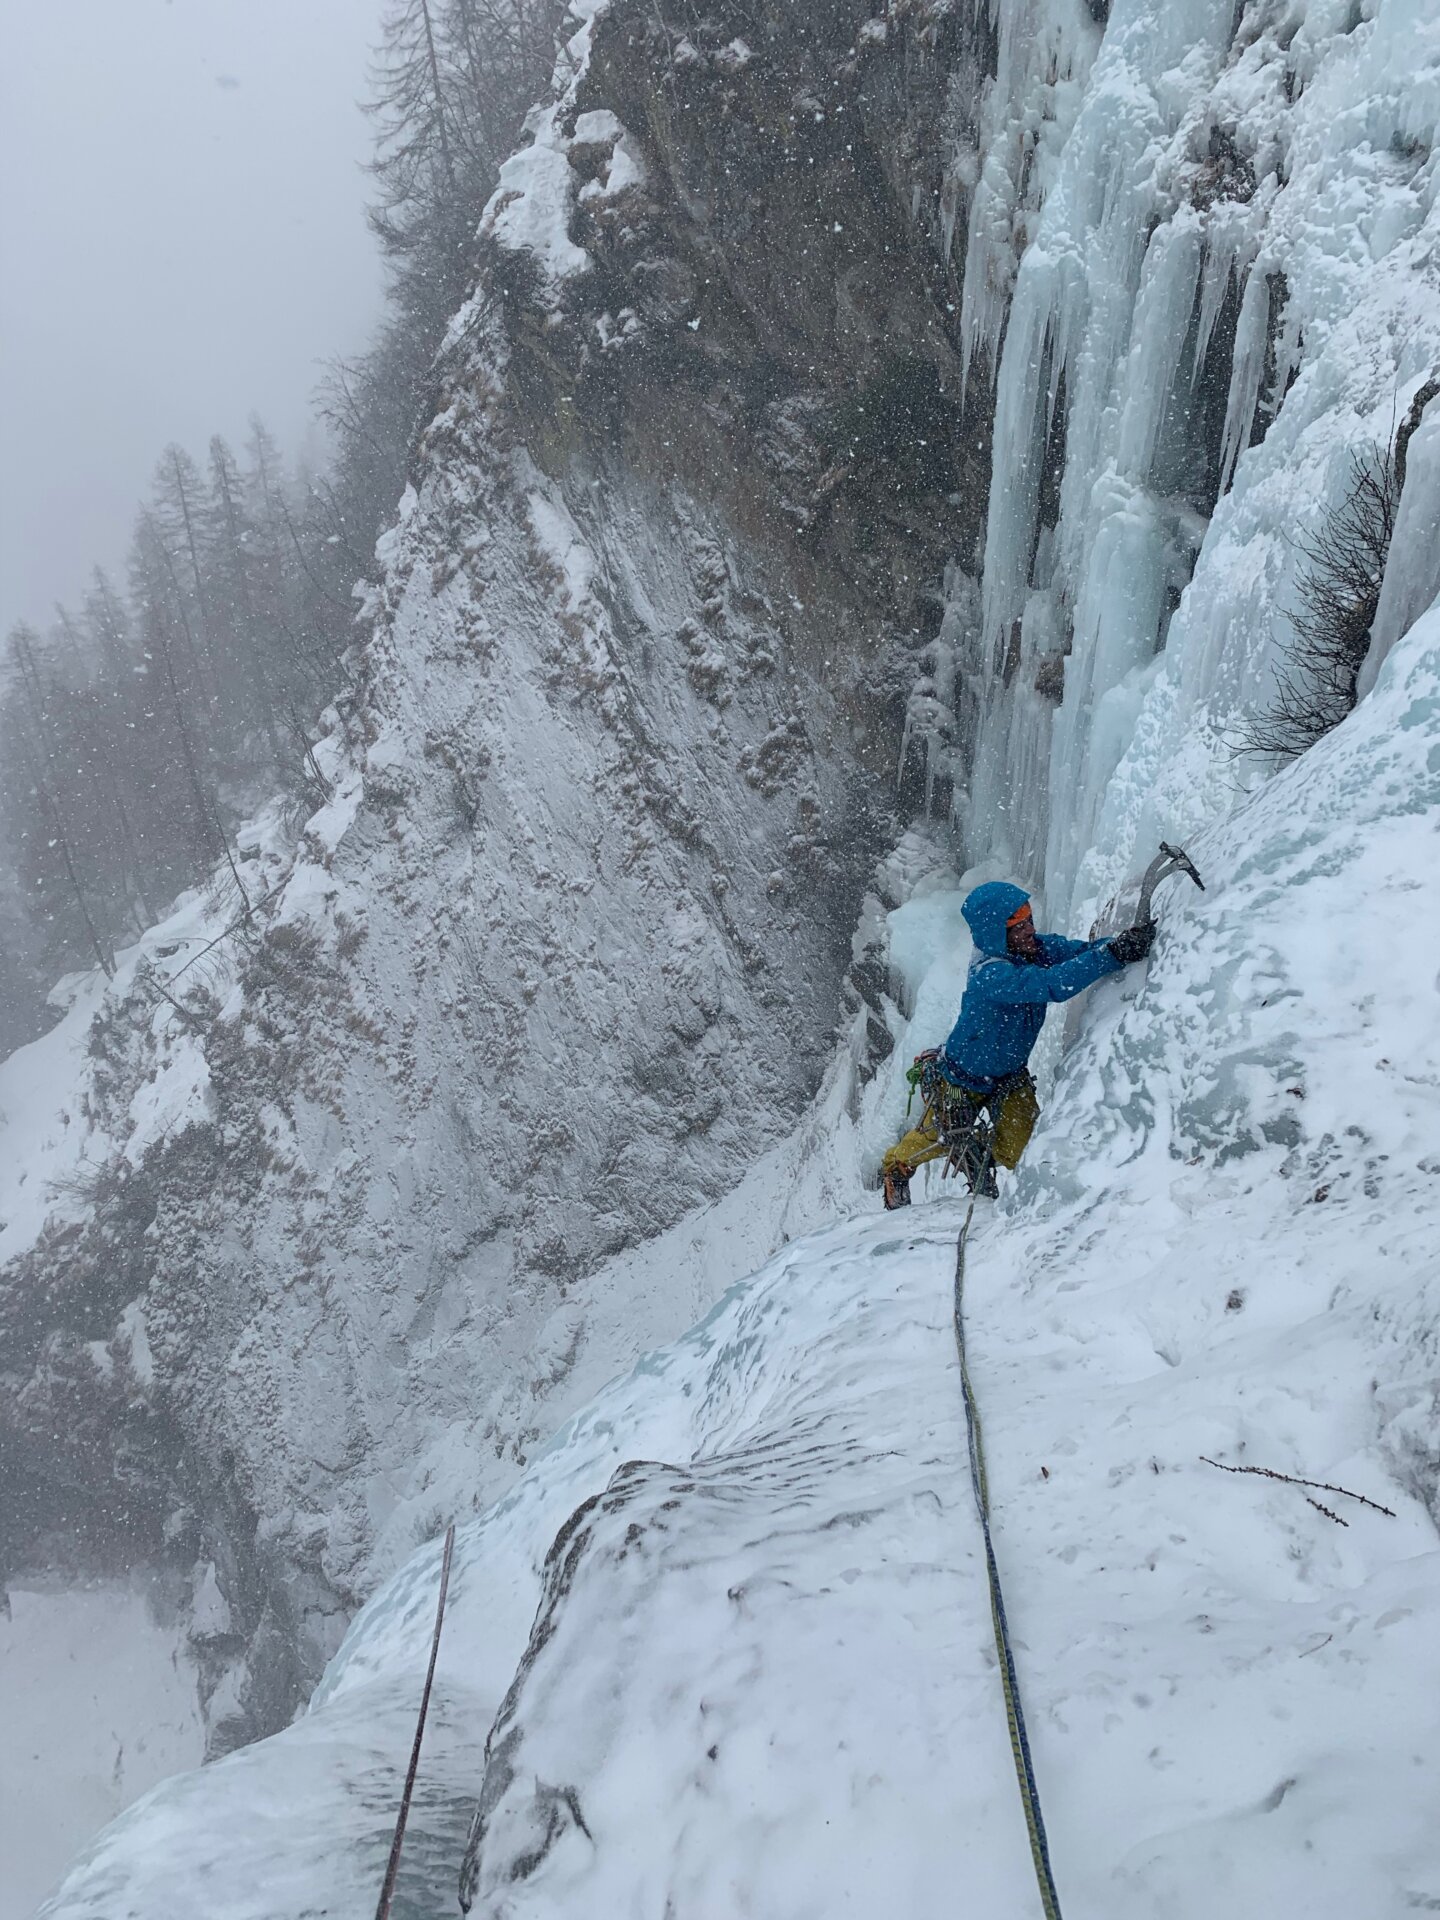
[1015,1122]
[918,1146]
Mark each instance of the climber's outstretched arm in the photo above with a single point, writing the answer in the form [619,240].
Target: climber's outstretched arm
[1006,985]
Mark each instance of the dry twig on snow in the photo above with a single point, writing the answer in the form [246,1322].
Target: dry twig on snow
[1327,1513]
[1292,1480]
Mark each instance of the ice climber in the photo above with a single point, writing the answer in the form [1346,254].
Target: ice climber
[1015,977]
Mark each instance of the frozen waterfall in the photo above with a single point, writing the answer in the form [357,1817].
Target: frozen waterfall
[1231,284]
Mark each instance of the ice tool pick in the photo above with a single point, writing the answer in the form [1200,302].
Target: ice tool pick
[1169,860]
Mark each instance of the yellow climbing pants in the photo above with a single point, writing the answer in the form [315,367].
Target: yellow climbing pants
[1014,1124]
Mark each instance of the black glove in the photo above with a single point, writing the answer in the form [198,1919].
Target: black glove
[1134,943]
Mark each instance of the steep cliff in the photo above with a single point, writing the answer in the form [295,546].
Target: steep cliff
[863,413]
[566,949]
[726,1645]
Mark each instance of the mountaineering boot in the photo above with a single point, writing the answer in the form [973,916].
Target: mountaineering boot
[978,1167]
[896,1188]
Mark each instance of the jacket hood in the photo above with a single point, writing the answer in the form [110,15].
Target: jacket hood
[987,909]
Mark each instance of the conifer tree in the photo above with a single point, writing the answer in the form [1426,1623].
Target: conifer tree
[174,511]
[171,662]
[53,857]
[242,620]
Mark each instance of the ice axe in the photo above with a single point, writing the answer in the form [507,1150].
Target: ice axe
[1169,860]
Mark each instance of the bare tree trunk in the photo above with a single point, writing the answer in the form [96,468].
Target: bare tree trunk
[254,669]
[439,95]
[188,524]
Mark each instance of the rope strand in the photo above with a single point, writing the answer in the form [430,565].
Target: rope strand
[1014,1712]
[387,1891]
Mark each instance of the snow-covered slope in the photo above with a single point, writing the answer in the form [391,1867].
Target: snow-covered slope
[561,958]
[726,1645]
[502,1081]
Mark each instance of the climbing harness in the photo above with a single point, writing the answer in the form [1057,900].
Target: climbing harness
[951,1106]
[387,1891]
[964,1120]
[1014,1713]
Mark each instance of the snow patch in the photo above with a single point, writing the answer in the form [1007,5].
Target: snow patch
[529,211]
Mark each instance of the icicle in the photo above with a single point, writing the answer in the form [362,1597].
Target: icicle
[1412,571]
[1229,249]
[934,722]
[1117,619]
[1104,313]
[1043,58]
[1014,499]
[1118,552]
[989,266]
[1162,319]
[957,189]
[1246,373]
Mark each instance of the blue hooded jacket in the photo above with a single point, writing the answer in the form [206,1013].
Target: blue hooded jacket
[1007,998]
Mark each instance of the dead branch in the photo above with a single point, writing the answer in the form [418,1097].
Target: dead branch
[1327,1512]
[191,1019]
[1293,1480]
[1337,592]
[234,927]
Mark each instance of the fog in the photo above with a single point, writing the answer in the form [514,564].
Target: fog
[182,240]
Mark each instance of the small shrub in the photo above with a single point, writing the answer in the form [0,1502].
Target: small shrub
[1337,594]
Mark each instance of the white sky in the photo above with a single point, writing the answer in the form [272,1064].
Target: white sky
[182,239]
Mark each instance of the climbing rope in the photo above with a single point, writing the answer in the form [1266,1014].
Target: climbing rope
[1014,1713]
[392,1869]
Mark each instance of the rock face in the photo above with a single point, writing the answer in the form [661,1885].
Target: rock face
[567,947]
[689,569]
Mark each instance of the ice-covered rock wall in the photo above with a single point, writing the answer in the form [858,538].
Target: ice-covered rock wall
[1227,283]
[726,1645]
[558,961]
